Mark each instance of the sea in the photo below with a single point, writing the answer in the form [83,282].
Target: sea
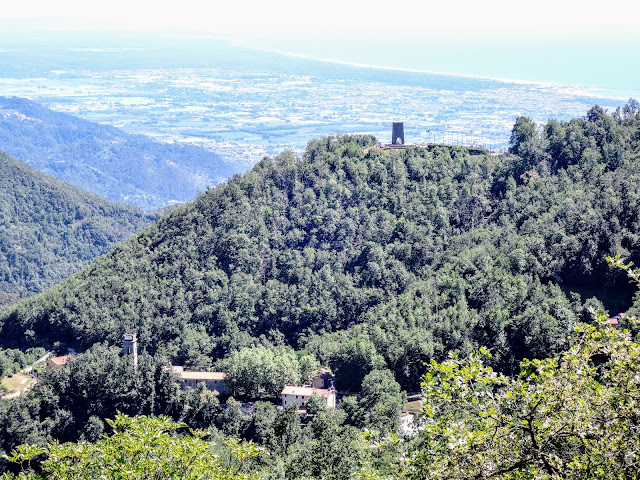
[247,99]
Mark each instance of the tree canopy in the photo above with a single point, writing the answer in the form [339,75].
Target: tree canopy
[139,448]
[50,229]
[406,254]
[568,417]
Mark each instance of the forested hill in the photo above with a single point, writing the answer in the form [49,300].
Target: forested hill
[373,257]
[105,160]
[49,229]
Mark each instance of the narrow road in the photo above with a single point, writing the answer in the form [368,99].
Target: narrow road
[27,370]
[41,359]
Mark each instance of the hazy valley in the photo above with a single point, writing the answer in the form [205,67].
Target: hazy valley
[127,168]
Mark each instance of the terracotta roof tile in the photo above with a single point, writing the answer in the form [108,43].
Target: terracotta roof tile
[203,375]
[60,360]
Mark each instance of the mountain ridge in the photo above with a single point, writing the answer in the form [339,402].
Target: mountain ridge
[49,229]
[103,159]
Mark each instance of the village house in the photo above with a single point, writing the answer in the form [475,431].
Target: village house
[301,395]
[58,362]
[323,378]
[212,380]
[616,320]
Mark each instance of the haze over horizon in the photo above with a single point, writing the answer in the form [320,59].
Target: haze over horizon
[550,42]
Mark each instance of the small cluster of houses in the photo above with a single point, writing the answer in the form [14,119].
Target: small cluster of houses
[321,385]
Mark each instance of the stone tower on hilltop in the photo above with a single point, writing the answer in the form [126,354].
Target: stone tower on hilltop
[397,133]
[130,347]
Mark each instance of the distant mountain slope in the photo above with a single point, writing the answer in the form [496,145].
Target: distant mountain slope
[374,257]
[105,160]
[49,229]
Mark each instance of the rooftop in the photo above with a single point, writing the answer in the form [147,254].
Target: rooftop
[202,375]
[60,360]
[305,391]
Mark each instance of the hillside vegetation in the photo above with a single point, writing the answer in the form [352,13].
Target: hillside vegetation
[105,160]
[49,229]
[370,258]
[572,416]
[373,261]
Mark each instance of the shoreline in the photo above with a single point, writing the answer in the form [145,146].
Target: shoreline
[578,90]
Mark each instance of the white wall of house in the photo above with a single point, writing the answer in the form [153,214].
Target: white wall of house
[302,400]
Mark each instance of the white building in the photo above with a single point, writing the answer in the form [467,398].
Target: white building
[301,395]
[408,424]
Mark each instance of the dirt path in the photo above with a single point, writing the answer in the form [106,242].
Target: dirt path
[22,381]
[41,359]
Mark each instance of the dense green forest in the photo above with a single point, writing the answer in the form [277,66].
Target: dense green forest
[372,262]
[573,416]
[12,360]
[50,229]
[105,160]
[369,258]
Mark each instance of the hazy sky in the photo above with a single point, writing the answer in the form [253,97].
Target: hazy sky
[584,42]
[357,18]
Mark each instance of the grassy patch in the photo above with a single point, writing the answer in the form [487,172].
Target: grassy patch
[18,381]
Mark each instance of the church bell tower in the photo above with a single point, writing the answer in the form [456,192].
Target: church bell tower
[130,347]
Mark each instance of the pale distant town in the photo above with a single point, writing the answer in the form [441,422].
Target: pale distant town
[243,115]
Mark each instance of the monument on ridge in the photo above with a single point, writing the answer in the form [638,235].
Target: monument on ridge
[397,133]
